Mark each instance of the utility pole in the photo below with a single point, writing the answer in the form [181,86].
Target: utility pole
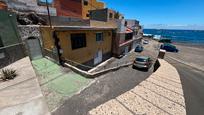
[48,11]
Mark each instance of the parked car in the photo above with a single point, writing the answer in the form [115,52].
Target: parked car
[142,62]
[169,47]
[139,48]
[145,42]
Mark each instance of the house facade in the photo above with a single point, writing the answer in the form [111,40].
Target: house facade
[76,8]
[86,46]
[127,35]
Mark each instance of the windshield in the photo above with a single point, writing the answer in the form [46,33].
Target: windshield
[141,60]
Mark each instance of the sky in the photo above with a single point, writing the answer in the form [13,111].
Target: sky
[162,14]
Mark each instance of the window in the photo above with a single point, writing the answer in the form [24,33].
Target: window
[43,2]
[78,40]
[99,37]
[87,15]
[110,15]
[86,2]
[125,23]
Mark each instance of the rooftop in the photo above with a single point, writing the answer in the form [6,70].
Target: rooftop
[79,28]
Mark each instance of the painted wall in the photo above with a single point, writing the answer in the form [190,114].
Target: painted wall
[92,5]
[12,49]
[72,8]
[48,40]
[82,55]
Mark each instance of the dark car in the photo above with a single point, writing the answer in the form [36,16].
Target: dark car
[169,47]
[142,62]
[139,48]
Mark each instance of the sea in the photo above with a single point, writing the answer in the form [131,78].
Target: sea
[188,37]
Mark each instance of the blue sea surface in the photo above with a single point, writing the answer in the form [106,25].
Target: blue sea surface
[195,37]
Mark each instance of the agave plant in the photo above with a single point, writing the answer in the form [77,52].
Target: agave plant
[8,74]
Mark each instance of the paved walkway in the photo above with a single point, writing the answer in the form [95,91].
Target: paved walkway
[161,93]
[58,83]
[22,96]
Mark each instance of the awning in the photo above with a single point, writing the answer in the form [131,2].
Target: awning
[128,30]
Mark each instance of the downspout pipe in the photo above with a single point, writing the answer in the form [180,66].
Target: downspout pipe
[58,47]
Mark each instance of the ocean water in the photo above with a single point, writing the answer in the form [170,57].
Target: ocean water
[191,37]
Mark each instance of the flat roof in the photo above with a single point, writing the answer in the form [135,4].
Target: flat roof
[79,28]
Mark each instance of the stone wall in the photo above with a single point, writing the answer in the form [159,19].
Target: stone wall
[27,31]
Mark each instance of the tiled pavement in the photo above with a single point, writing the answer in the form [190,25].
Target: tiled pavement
[58,83]
[161,93]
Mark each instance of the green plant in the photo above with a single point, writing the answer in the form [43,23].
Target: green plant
[8,74]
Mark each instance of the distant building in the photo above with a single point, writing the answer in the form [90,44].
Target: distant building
[76,8]
[104,14]
[82,45]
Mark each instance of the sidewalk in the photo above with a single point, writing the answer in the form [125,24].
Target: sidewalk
[161,93]
[150,50]
[22,96]
[58,83]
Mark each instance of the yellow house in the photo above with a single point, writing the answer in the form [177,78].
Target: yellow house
[83,46]
[91,5]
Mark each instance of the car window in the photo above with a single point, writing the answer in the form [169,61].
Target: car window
[141,60]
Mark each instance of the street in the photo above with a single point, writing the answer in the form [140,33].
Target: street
[193,84]
[105,88]
[108,86]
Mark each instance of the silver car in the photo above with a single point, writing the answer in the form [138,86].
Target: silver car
[142,62]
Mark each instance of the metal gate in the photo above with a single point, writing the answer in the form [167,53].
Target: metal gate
[34,48]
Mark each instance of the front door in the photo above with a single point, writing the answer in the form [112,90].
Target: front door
[34,48]
[98,57]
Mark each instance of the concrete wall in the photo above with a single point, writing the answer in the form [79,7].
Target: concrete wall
[102,14]
[69,21]
[72,8]
[27,31]
[99,15]
[12,49]
[92,5]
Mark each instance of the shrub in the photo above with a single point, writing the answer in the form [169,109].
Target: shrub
[8,74]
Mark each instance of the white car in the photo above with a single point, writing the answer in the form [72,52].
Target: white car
[145,42]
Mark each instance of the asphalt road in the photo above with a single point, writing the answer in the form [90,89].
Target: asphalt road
[105,88]
[193,87]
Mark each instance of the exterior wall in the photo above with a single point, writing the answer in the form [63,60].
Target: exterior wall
[12,49]
[27,31]
[67,21]
[111,23]
[99,15]
[72,8]
[92,5]
[85,54]
[3,5]
[102,14]
[28,6]
[47,38]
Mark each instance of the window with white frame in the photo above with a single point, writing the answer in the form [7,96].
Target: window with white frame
[99,37]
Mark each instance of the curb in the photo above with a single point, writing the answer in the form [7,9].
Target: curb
[188,64]
[96,74]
